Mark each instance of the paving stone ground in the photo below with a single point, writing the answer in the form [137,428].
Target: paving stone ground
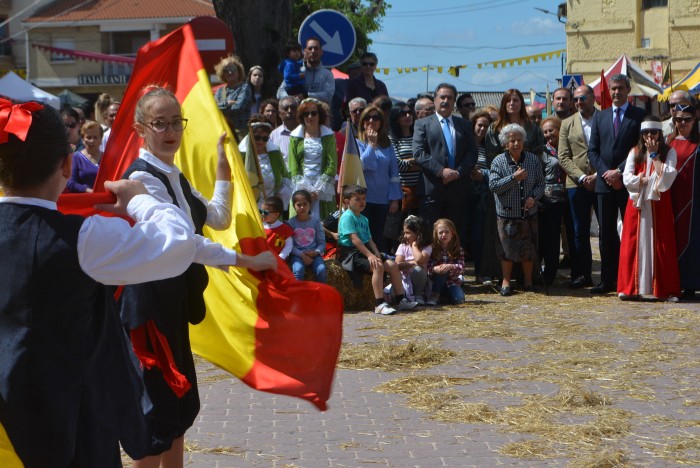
[241,427]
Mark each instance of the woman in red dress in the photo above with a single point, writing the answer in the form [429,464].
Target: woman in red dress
[648,266]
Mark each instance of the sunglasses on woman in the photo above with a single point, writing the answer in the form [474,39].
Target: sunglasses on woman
[264,138]
[683,119]
[310,114]
[373,118]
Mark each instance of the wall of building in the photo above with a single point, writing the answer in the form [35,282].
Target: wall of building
[599,31]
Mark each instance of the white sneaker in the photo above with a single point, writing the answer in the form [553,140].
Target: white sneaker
[384,309]
[420,301]
[405,304]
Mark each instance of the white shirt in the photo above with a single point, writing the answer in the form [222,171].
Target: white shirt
[160,245]
[586,126]
[280,137]
[218,209]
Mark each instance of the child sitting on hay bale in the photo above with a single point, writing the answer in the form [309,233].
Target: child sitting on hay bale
[359,254]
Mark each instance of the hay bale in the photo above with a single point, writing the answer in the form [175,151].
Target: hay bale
[353,298]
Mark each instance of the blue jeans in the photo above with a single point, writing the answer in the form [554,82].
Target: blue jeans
[454,294]
[581,201]
[318,266]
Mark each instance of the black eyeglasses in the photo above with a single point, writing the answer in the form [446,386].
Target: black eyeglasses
[468,104]
[228,71]
[357,111]
[683,119]
[159,126]
[650,130]
[580,98]
[288,108]
[373,117]
[71,125]
[406,113]
[427,109]
[264,212]
[261,138]
[368,64]
[310,114]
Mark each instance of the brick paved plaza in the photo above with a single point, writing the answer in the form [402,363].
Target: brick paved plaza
[534,380]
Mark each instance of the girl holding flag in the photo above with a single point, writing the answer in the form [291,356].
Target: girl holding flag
[157,313]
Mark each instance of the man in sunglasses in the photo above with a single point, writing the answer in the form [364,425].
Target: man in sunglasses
[288,113]
[71,119]
[366,85]
[320,83]
[677,97]
[355,107]
[466,105]
[614,131]
[574,135]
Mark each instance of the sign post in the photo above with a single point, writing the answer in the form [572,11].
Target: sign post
[571,82]
[336,32]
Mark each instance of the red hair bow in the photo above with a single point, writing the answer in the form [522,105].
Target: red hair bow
[16,119]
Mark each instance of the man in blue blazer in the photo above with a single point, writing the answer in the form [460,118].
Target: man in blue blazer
[614,132]
[444,147]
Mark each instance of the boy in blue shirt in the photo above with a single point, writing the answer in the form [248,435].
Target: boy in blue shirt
[294,81]
[359,253]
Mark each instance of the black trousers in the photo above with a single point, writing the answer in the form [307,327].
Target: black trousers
[609,205]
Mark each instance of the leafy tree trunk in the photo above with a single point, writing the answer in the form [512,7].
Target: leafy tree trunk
[261,30]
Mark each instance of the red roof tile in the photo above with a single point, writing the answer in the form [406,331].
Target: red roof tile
[102,10]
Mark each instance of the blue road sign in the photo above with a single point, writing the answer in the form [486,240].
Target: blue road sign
[336,32]
[571,82]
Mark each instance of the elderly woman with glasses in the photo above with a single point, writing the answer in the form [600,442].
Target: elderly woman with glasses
[648,264]
[366,85]
[381,171]
[271,170]
[235,97]
[312,158]
[685,197]
[517,182]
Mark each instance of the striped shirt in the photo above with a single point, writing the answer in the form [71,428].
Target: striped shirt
[403,147]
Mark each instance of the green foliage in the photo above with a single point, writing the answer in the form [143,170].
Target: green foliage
[366,16]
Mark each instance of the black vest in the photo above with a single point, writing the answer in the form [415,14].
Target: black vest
[65,375]
[140,306]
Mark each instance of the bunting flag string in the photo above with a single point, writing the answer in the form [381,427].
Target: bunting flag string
[454,69]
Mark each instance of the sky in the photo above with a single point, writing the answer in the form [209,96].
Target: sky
[467,32]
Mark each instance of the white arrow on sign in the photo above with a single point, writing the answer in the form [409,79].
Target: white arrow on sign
[333,44]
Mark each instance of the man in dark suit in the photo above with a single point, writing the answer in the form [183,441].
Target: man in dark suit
[614,132]
[444,147]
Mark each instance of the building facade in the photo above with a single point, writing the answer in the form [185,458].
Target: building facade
[67,44]
[599,31]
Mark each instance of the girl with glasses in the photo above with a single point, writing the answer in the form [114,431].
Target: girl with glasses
[275,175]
[685,197]
[157,314]
[648,265]
[312,158]
[381,171]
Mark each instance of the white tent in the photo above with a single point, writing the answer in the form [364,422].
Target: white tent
[15,87]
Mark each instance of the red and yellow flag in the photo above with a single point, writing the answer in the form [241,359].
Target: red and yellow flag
[275,333]
[350,165]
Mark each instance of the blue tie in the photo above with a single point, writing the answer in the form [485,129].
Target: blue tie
[448,140]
